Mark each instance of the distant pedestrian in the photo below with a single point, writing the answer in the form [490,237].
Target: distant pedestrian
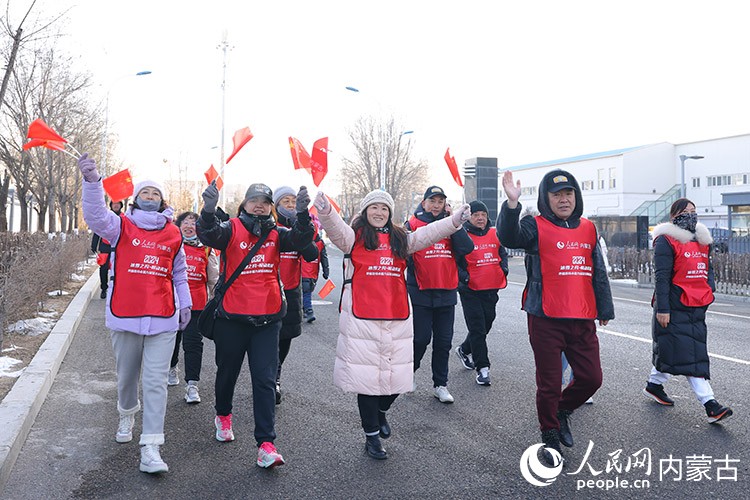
[203,272]
[311,271]
[285,199]
[566,290]
[374,352]
[684,290]
[249,316]
[149,302]
[101,247]
[482,273]
[432,281]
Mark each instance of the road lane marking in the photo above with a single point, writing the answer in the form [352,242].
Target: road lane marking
[648,302]
[648,341]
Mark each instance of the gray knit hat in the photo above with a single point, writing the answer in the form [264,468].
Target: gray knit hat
[282,191]
[377,196]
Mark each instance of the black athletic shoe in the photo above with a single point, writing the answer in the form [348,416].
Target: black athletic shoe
[385,428]
[551,439]
[465,358]
[566,437]
[278,393]
[103,295]
[374,448]
[656,392]
[716,412]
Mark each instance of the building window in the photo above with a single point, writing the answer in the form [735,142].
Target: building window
[612,178]
[587,185]
[739,179]
[600,178]
[696,182]
[719,180]
[528,191]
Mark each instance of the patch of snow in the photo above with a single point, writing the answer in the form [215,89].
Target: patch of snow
[6,365]
[57,293]
[33,327]
[77,277]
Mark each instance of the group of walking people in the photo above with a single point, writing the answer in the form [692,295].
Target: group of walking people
[401,284]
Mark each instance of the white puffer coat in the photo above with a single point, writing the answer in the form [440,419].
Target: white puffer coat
[375,357]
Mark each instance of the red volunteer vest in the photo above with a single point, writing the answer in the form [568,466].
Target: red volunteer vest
[483,263]
[197,265]
[291,268]
[255,292]
[311,269]
[434,266]
[378,283]
[566,257]
[143,268]
[690,272]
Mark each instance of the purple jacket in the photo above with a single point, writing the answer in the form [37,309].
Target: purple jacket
[106,224]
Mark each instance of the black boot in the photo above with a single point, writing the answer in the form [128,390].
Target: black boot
[385,429]
[374,449]
[566,437]
[551,439]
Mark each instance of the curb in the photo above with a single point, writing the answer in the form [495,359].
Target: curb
[21,405]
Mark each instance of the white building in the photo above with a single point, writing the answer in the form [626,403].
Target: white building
[645,180]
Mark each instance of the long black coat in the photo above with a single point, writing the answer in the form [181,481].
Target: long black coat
[681,347]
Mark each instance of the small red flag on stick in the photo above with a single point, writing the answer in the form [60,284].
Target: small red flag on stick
[327,288]
[300,156]
[335,206]
[119,186]
[241,137]
[211,175]
[319,161]
[451,161]
[42,135]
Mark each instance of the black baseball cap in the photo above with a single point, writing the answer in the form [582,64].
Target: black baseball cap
[433,191]
[559,182]
[259,189]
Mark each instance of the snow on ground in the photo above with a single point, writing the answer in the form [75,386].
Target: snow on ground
[35,326]
[57,293]
[6,367]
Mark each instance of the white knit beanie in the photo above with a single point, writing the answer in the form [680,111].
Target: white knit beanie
[377,196]
[148,183]
[282,191]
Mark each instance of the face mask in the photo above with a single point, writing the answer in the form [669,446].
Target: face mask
[192,238]
[149,205]
[686,221]
[286,212]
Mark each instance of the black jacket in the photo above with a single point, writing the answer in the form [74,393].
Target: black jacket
[461,244]
[525,234]
[680,348]
[463,271]
[99,245]
[216,234]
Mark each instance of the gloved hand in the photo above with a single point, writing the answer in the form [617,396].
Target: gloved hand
[322,203]
[210,198]
[87,166]
[303,199]
[325,275]
[184,318]
[461,215]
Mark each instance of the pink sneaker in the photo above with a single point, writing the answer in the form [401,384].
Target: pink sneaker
[268,457]
[224,428]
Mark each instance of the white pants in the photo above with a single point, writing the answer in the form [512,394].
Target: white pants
[701,387]
[152,354]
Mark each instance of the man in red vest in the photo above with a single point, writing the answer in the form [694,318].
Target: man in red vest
[566,290]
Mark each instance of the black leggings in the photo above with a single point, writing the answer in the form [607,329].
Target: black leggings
[369,406]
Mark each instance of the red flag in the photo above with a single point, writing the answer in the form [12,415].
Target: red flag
[319,161]
[212,174]
[119,186]
[241,137]
[327,288]
[451,161]
[40,130]
[101,258]
[300,156]
[335,206]
[55,145]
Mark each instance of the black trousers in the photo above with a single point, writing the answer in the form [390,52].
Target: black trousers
[104,275]
[233,341]
[192,344]
[369,407]
[284,346]
[479,313]
[434,324]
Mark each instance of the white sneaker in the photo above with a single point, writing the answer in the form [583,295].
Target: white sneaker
[125,429]
[590,401]
[151,461]
[441,392]
[191,392]
[174,378]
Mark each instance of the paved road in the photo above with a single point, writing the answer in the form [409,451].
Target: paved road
[470,449]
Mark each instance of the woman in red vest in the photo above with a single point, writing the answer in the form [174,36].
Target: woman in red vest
[482,273]
[203,272]
[567,289]
[149,302]
[684,290]
[374,351]
[285,199]
[252,307]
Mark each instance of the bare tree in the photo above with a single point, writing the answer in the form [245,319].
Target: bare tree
[403,174]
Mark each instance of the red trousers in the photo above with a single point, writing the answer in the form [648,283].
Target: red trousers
[577,339]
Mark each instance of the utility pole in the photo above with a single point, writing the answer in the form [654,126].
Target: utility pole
[224,46]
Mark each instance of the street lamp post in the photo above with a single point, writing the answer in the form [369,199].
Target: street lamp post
[106,120]
[682,171]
